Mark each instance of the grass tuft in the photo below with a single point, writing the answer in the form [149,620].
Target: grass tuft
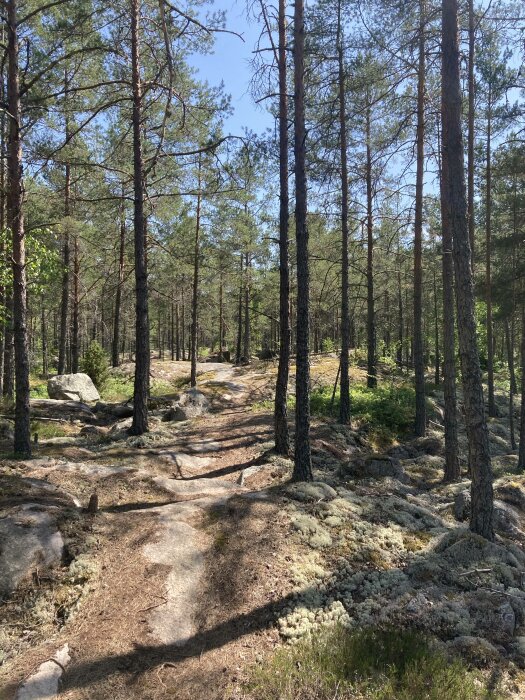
[376,664]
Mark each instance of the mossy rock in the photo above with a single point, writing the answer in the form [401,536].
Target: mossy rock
[311,491]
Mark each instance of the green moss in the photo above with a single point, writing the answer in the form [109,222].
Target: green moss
[377,664]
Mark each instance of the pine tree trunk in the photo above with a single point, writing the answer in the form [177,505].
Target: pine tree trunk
[281,432]
[247,334]
[452,468]
[195,288]
[488,270]
[221,315]
[510,361]
[437,358]
[64,305]
[43,330]
[238,351]
[521,456]
[419,366]
[75,343]
[481,520]
[3,252]
[370,318]
[470,125]
[400,319]
[15,221]
[142,347]
[177,333]
[115,358]
[303,461]
[344,404]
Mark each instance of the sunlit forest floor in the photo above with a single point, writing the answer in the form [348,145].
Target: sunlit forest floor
[202,573]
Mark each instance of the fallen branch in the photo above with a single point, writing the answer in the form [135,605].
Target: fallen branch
[152,607]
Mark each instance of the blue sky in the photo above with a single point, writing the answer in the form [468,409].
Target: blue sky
[230,63]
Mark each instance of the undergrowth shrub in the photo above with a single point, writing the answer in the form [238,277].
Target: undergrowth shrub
[95,364]
[388,406]
[376,664]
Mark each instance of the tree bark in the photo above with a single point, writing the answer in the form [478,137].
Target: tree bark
[512,376]
[521,456]
[15,221]
[281,432]
[43,330]
[64,305]
[195,288]
[370,319]
[75,327]
[488,253]
[481,520]
[419,365]
[303,461]
[115,357]
[470,126]
[344,404]
[452,468]
[247,331]
[238,350]
[142,345]
[221,314]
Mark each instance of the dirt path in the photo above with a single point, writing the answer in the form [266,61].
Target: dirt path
[181,598]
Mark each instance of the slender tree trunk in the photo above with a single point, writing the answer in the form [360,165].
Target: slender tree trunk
[419,364]
[64,305]
[183,329]
[370,319]
[177,333]
[75,328]
[142,346]
[3,252]
[437,356]
[510,360]
[195,289]
[344,405]
[15,221]
[400,319]
[172,332]
[247,334]
[281,432]
[471,116]
[45,369]
[452,468]
[303,461]
[238,352]
[115,359]
[488,270]
[481,520]
[221,315]
[521,456]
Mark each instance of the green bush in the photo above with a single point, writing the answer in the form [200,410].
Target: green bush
[377,664]
[388,406]
[327,345]
[95,364]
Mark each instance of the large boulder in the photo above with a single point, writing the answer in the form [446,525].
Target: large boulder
[191,404]
[506,518]
[72,387]
[29,538]
[6,429]
[375,466]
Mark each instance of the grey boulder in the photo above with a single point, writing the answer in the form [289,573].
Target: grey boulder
[73,387]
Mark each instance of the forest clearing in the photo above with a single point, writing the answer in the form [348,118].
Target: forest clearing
[262,350]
